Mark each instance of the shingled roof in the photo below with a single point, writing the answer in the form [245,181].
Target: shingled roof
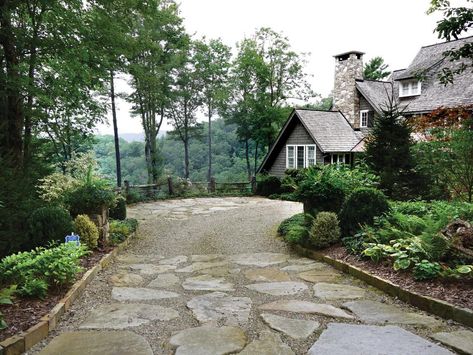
[427,65]
[329,129]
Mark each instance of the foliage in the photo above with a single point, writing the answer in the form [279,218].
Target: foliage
[425,270]
[325,230]
[389,140]
[297,235]
[87,231]
[325,188]
[267,185]
[90,198]
[6,296]
[34,288]
[296,220]
[49,224]
[360,208]
[57,266]
[120,230]
[455,23]
[295,229]
[375,69]
[119,210]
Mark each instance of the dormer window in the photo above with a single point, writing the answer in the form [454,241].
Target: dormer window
[409,88]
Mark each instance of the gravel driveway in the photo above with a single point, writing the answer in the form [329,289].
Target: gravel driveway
[210,276]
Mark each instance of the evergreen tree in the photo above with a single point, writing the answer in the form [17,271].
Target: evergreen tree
[375,69]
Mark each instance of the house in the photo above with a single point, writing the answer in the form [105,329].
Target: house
[312,137]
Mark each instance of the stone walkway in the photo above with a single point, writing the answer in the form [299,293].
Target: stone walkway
[209,276]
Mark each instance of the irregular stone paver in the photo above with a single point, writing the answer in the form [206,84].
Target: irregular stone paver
[259,259]
[298,306]
[122,316]
[219,306]
[352,339]
[301,260]
[279,288]
[207,283]
[138,259]
[202,265]
[140,294]
[267,344]
[319,275]
[305,267]
[337,291]
[98,343]
[126,279]
[266,275]
[175,261]
[295,328]
[206,257]
[460,340]
[219,271]
[209,340]
[151,269]
[164,280]
[373,312]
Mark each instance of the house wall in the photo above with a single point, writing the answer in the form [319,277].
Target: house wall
[300,136]
[364,105]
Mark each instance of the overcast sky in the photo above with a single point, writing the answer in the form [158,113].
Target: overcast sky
[393,29]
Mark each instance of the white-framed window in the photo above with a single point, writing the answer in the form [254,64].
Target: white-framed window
[338,158]
[409,88]
[300,156]
[364,118]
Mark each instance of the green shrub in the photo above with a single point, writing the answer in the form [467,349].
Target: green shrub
[325,230]
[34,288]
[296,220]
[119,210]
[49,224]
[134,196]
[297,235]
[425,270]
[360,208]
[6,296]
[268,185]
[90,199]
[87,231]
[120,230]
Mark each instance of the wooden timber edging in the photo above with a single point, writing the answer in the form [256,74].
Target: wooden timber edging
[432,305]
[25,340]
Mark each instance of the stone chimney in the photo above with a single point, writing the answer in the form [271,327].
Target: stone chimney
[348,68]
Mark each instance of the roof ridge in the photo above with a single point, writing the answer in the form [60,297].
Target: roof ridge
[312,109]
[378,81]
[440,43]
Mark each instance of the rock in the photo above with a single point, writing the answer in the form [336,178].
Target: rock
[259,259]
[208,257]
[98,343]
[150,269]
[219,271]
[460,340]
[306,307]
[352,339]
[138,259]
[140,294]
[337,291]
[207,283]
[218,306]
[208,340]
[266,275]
[267,344]
[164,280]
[302,261]
[121,316]
[180,259]
[380,313]
[295,328]
[202,265]
[279,288]
[319,276]
[305,267]
[126,279]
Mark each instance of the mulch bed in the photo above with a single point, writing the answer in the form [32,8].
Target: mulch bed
[457,292]
[24,313]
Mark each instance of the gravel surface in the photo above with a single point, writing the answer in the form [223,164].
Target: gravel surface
[207,226]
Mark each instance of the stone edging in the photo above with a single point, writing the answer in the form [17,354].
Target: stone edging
[429,304]
[23,341]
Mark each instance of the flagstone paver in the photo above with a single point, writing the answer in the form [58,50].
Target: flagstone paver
[209,276]
[352,339]
[460,340]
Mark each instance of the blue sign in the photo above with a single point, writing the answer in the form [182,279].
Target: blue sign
[73,238]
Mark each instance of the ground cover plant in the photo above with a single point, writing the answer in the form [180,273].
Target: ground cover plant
[120,230]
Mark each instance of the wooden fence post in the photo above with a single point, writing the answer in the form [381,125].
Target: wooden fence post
[253,184]
[212,185]
[170,186]
[127,187]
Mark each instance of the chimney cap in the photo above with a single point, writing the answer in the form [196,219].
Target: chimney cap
[347,54]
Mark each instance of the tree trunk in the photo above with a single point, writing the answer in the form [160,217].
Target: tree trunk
[256,158]
[186,152]
[209,175]
[247,156]
[115,131]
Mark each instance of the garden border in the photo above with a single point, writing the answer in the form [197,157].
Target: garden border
[25,340]
[429,304]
